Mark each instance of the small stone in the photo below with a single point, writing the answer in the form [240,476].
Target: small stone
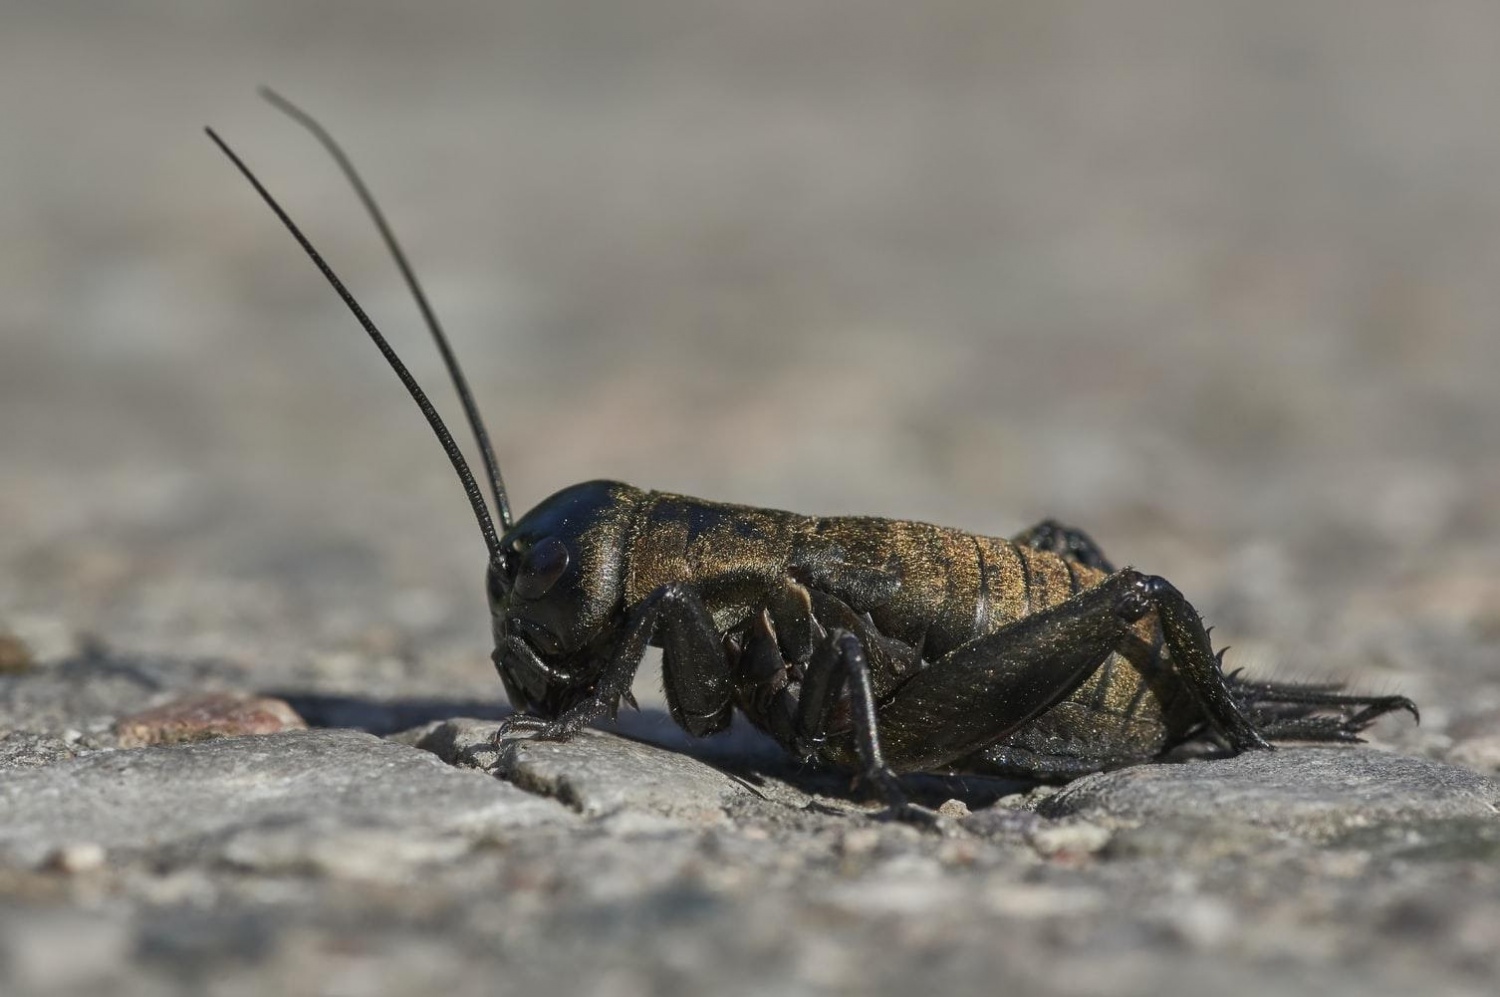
[197,718]
[76,858]
[956,809]
[15,656]
[1073,838]
[1002,822]
[1028,800]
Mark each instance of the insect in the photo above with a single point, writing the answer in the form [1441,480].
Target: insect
[885,646]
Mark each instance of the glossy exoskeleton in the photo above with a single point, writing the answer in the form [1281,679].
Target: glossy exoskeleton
[885,646]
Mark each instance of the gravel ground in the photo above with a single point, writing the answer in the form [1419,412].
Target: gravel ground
[1216,282]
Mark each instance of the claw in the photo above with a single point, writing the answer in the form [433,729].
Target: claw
[558,729]
[518,723]
[614,703]
[1381,707]
[899,808]
[919,816]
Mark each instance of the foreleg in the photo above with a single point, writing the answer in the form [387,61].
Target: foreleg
[695,671]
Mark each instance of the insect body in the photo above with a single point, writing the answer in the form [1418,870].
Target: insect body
[885,646]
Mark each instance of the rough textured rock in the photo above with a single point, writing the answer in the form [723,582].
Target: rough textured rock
[24,749]
[1319,793]
[596,774]
[300,795]
[1212,281]
[91,692]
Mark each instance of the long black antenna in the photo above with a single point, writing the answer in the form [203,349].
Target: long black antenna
[471,487]
[460,384]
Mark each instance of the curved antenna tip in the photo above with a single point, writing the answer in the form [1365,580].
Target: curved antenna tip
[408,274]
[268,94]
[445,438]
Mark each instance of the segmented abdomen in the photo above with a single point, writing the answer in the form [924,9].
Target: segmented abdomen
[953,586]
[1132,687]
[957,586]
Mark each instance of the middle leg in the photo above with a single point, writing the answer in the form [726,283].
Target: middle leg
[1068,542]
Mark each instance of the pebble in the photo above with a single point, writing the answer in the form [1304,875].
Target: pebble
[15,656]
[1070,838]
[198,717]
[76,858]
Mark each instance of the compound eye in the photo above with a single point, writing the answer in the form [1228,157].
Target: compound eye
[543,566]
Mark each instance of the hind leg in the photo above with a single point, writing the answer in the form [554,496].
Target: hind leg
[1051,749]
[1022,674]
[1311,711]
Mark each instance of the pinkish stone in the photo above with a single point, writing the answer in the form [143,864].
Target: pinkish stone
[197,718]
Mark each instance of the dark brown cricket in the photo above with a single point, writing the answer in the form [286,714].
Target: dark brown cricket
[885,646]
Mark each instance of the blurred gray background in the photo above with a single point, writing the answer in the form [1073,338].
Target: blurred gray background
[1219,283]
